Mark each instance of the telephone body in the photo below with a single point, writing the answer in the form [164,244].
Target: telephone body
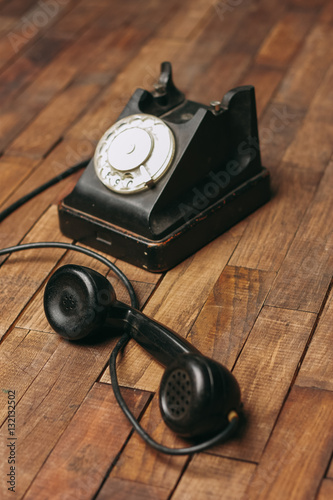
[168,177]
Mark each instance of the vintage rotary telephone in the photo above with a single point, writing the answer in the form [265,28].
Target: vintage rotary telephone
[166,178]
[169,176]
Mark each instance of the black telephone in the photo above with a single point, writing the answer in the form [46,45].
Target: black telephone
[166,178]
[169,176]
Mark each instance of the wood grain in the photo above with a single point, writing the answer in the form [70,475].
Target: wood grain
[230,312]
[13,171]
[330,470]
[25,69]
[285,39]
[62,157]
[96,40]
[117,489]
[208,476]
[297,455]
[20,283]
[305,274]
[265,370]
[271,230]
[139,463]
[312,147]
[62,112]
[29,27]
[88,447]
[48,405]
[317,367]
[326,490]
[23,355]
[308,70]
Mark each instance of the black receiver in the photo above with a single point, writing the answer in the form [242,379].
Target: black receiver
[198,396]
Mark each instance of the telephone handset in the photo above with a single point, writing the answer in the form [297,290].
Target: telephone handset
[169,176]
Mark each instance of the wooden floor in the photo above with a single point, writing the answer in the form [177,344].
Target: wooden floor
[258,298]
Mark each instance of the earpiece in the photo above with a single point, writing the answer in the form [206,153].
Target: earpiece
[198,396]
[77,301]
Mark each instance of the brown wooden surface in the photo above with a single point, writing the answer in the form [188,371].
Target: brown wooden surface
[258,298]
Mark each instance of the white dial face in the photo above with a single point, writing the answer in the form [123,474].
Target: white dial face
[134,153]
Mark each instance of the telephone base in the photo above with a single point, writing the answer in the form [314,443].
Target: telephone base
[161,255]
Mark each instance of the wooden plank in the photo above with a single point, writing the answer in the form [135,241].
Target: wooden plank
[326,490]
[208,476]
[177,303]
[271,229]
[306,272]
[265,371]
[298,452]
[138,274]
[209,45]
[20,281]
[53,121]
[326,15]
[23,355]
[78,19]
[13,171]
[118,489]
[227,317]
[285,39]
[88,447]
[241,29]
[260,19]
[278,126]
[50,403]
[230,67]
[24,70]
[308,4]
[139,463]
[120,50]
[312,147]
[50,81]
[309,68]
[317,367]
[96,41]
[61,158]
[187,21]
[20,7]
[330,470]
[35,21]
